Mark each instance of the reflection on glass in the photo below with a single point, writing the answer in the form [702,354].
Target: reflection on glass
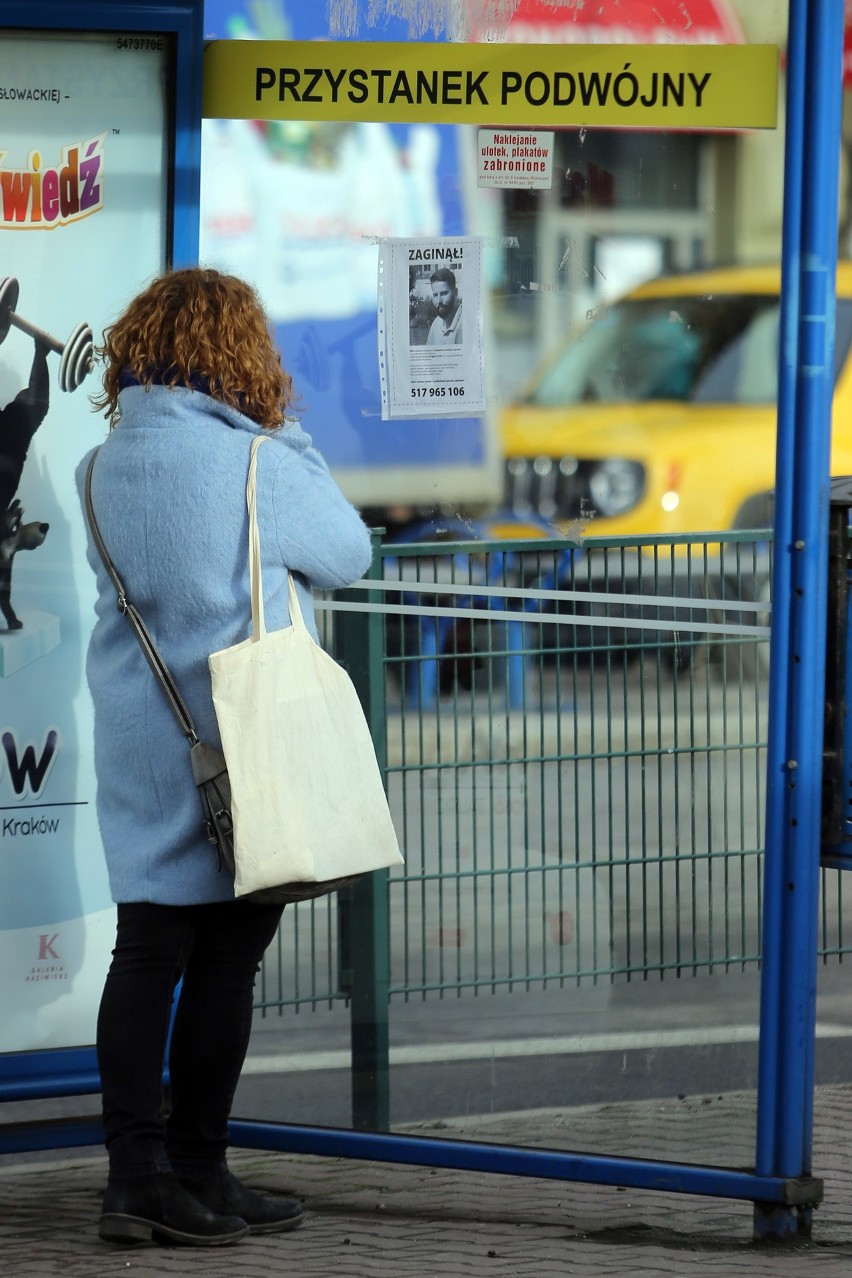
[634,417]
[721,350]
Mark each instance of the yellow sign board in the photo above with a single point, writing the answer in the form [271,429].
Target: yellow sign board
[641,86]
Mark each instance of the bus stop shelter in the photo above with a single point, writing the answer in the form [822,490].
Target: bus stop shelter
[782,1182]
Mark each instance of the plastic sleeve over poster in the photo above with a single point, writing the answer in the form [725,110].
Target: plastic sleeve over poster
[430,328]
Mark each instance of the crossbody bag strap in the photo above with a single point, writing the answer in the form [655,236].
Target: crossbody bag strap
[146,643]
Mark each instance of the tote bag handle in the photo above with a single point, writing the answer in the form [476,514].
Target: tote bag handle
[258,620]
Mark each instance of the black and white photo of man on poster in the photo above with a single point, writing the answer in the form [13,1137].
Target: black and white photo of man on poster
[443,303]
[430,327]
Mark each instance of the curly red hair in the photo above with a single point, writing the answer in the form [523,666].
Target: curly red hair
[198,324]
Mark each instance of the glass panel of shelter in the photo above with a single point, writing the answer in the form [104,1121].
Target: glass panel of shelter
[539,915]
[570,931]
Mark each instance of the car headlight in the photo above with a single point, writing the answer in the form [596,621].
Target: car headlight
[616,485]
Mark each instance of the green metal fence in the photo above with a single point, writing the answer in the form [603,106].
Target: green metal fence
[575,745]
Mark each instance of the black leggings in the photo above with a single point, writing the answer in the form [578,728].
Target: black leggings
[217,950]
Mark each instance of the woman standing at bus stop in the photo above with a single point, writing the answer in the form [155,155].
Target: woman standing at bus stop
[191,377]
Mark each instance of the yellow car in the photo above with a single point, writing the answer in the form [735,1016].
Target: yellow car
[659,415]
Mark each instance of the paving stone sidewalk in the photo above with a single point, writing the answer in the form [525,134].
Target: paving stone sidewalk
[379,1220]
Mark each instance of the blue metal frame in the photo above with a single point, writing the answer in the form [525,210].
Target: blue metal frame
[73,1071]
[550,1164]
[23,1138]
[780,1184]
[799,605]
[70,1071]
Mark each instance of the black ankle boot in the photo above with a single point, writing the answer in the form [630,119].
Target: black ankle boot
[159,1209]
[263,1213]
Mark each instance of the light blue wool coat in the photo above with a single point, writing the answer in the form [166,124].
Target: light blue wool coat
[168,491]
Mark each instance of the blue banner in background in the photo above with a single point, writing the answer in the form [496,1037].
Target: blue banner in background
[298,208]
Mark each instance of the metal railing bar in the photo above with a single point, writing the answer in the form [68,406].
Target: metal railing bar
[688,750]
[574,866]
[556,618]
[547,545]
[614,598]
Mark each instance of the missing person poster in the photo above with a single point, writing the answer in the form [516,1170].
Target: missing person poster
[83,178]
[430,327]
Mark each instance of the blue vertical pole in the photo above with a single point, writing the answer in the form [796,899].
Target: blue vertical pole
[773,897]
[799,603]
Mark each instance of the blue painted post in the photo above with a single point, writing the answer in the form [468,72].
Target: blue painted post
[516,665]
[799,603]
[422,675]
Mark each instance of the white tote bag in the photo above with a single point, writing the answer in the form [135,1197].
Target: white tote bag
[308,801]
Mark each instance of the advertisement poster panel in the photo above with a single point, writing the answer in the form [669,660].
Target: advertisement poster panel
[83,165]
